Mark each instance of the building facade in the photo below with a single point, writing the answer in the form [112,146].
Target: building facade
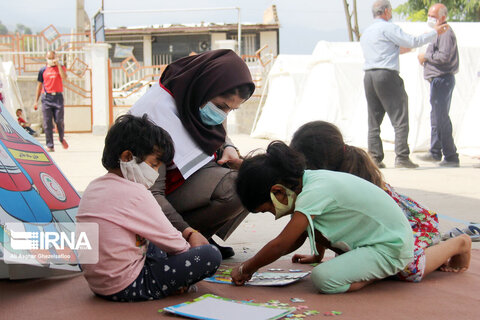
[162,44]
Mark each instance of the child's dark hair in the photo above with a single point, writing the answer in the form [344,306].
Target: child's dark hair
[18,110]
[258,173]
[139,135]
[323,147]
[244,91]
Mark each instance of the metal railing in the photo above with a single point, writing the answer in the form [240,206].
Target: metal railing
[121,79]
[128,81]
[27,52]
[160,59]
[259,65]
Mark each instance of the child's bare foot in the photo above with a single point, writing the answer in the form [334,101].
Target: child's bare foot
[461,261]
[180,291]
[189,289]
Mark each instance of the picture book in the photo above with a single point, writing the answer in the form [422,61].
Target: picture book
[212,307]
[272,279]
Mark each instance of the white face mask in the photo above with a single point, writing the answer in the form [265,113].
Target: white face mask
[138,172]
[432,22]
[50,62]
[280,208]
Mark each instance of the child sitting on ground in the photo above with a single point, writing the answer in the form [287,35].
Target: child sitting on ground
[141,255]
[25,125]
[338,211]
[323,147]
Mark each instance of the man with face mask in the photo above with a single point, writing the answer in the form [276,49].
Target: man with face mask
[440,63]
[50,87]
[382,43]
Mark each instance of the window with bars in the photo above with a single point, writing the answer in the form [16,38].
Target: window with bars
[250,43]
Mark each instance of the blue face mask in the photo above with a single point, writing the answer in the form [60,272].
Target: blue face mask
[211,115]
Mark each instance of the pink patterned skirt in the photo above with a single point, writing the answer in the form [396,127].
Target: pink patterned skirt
[424,225]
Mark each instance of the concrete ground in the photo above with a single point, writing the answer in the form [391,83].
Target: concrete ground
[454,193]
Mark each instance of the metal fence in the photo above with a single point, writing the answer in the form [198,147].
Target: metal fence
[27,52]
[128,79]
[122,79]
[159,59]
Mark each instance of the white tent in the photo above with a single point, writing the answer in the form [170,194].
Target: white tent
[328,85]
[11,92]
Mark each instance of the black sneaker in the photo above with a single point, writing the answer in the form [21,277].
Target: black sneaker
[449,164]
[405,163]
[429,157]
[379,164]
[227,252]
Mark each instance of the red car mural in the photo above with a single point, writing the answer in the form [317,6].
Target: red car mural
[32,188]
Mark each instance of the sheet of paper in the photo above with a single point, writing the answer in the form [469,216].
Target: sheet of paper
[268,279]
[213,307]
[275,278]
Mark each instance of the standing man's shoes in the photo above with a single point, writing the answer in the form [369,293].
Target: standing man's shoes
[449,164]
[429,157]
[226,252]
[405,163]
[380,164]
[64,144]
[50,149]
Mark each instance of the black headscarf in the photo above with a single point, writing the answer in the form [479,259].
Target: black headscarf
[195,80]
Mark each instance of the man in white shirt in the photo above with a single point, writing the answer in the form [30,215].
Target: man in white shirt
[382,42]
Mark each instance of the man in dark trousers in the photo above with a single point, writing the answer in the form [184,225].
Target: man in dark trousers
[440,63]
[382,42]
[50,86]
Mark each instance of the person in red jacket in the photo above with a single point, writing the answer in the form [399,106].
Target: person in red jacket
[25,125]
[50,81]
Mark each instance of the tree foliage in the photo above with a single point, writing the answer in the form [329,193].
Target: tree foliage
[458,10]
[3,28]
[23,29]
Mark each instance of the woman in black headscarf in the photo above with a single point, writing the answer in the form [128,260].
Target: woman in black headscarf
[191,103]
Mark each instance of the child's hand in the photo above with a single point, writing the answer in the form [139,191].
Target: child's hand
[197,240]
[231,158]
[305,258]
[194,238]
[234,164]
[239,276]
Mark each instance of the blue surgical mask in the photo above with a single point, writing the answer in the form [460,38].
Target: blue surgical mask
[211,115]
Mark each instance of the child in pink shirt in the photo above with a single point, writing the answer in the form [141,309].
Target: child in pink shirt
[141,255]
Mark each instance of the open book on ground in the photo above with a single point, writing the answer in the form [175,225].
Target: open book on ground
[210,306]
[263,278]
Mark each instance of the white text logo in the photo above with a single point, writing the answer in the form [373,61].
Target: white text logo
[45,240]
